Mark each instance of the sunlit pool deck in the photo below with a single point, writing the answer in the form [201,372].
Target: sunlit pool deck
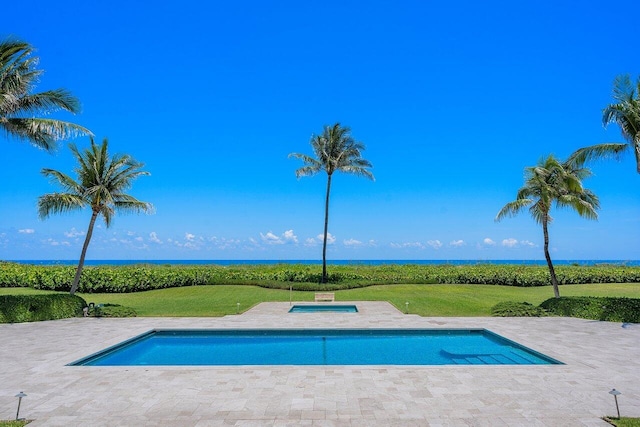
[598,356]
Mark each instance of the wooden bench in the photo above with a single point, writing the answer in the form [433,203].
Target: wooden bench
[325,296]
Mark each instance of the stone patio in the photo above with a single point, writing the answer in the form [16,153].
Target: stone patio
[598,356]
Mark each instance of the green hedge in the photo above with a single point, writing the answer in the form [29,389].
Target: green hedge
[517,309]
[597,308]
[300,276]
[32,308]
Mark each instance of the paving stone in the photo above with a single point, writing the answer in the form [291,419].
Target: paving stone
[598,356]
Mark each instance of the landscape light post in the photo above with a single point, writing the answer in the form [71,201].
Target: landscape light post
[615,394]
[19,396]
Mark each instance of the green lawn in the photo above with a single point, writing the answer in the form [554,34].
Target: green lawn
[425,300]
[624,422]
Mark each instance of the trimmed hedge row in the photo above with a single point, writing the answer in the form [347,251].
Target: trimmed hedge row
[302,277]
[33,308]
[517,309]
[596,308]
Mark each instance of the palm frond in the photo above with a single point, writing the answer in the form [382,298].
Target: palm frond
[55,203]
[596,152]
[62,179]
[43,133]
[47,102]
[512,208]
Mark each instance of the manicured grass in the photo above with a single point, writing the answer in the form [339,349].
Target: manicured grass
[13,423]
[624,422]
[425,300]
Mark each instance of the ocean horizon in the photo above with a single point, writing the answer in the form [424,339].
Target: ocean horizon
[99,262]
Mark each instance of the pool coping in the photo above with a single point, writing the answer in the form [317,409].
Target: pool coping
[598,356]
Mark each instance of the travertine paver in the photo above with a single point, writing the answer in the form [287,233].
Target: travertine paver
[597,355]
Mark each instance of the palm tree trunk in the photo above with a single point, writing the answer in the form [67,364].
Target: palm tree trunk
[76,280]
[554,279]
[326,227]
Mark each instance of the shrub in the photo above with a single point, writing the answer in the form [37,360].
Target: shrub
[517,309]
[143,277]
[112,310]
[598,308]
[32,308]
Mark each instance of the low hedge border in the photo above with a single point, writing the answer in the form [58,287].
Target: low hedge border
[34,308]
[597,308]
[619,309]
[301,277]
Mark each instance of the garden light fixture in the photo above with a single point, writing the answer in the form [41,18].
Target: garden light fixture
[615,394]
[19,396]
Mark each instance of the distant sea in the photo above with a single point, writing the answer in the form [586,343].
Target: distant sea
[334,262]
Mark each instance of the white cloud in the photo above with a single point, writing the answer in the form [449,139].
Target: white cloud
[435,244]
[488,242]
[138,239]
[287,237]
[331,239]
[189,236]
[27,231]
[408,245]
[310,242]
[352,242]
[153,236]
[372,243]
[527,243]
[271,239]
[73,233]
[456,243]
[510,242]
[290,237]
[56,243]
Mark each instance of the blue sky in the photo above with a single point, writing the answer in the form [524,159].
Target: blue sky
[452,101]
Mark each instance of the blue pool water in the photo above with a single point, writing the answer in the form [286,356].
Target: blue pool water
[317,347]
[333,308]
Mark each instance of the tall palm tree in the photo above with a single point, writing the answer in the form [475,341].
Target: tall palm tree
[101,182]
[335,151]
[18,77]
[625,111]
[552,182]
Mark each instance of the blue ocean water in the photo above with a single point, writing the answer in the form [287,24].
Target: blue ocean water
[331,262]
[318,347]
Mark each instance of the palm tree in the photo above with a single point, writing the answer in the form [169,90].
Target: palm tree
[547,183]
[335,150]
[625,111]
[18,76]
[100,186]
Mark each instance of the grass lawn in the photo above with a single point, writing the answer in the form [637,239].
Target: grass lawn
[624,422]
[425,300]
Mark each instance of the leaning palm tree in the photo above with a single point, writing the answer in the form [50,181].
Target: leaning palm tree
[625,111]
[552,182]
[335,151]
[100,186]
[18,103]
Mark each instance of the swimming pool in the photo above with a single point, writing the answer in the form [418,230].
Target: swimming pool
[317,347]
[317,308]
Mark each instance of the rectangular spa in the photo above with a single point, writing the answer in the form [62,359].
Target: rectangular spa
[317,347]
[323,308]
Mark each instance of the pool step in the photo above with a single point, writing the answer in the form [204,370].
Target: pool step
[470,358]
